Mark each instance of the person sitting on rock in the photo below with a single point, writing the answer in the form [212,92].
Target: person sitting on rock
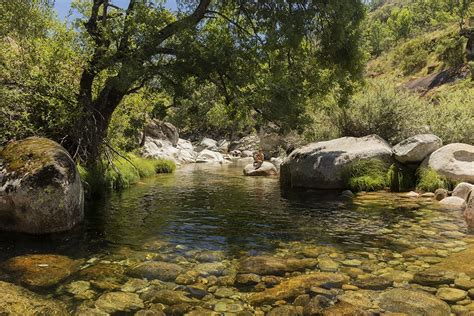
[258,158]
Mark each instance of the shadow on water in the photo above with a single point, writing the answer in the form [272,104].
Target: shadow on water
[215,207]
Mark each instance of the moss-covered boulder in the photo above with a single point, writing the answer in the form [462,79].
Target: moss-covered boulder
[40,188]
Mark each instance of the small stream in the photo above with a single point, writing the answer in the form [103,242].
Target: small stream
[215,210]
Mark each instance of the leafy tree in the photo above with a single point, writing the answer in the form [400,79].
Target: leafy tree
[252,51]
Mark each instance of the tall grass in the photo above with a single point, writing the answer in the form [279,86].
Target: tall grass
[429,180]
[367,175]
[122,172]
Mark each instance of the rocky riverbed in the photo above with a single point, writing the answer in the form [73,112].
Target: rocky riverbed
[211,247]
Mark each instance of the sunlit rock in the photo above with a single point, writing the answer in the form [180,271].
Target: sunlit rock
[322,165]
[266,169]
[454,161]
[416,148]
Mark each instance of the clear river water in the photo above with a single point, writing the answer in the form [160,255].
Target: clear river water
[212,214]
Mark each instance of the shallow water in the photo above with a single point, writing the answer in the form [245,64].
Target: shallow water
[213,207]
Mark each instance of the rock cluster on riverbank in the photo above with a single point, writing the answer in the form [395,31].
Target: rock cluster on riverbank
[324,165]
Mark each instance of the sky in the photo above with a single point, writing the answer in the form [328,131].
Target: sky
[63,6]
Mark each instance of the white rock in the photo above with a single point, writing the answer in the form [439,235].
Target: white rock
[454,161]
[463,189]
[412,194]
[322,165]
[209,156]
[453,202]
[416,148]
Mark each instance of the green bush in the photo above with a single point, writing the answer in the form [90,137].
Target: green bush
[367,175]
[400,178]
[122,172]
[379,108]
[429,180]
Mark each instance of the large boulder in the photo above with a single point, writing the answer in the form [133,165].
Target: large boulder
[209,156]
[266,169]
[15,300]
[162,130]
[322,165]
[40,188]
[454,161]
[416,148]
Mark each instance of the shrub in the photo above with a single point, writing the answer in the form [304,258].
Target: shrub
[380,108]
[429,180]
[367,175]
[400,178]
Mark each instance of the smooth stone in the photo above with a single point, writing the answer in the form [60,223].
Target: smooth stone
[453,202]
[267,265]
[163,271]
[462,190]
[464,284]
[15,300]
[134,285]
[433,277]
[297,286]
[210,268]
[81,290]
[352,263]
[412,194]
[167,297]
[210,256]
[113,302]
[413,303]
[451,295]
[416,148]
[440,194]
[373,283]
[285,310]
[224,292]
[328,265]
[40,271]
[345,309]
[247,278]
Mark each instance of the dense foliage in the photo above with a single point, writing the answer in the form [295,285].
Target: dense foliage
[229,68]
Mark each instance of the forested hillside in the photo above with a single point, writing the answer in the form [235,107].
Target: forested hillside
[393,68]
